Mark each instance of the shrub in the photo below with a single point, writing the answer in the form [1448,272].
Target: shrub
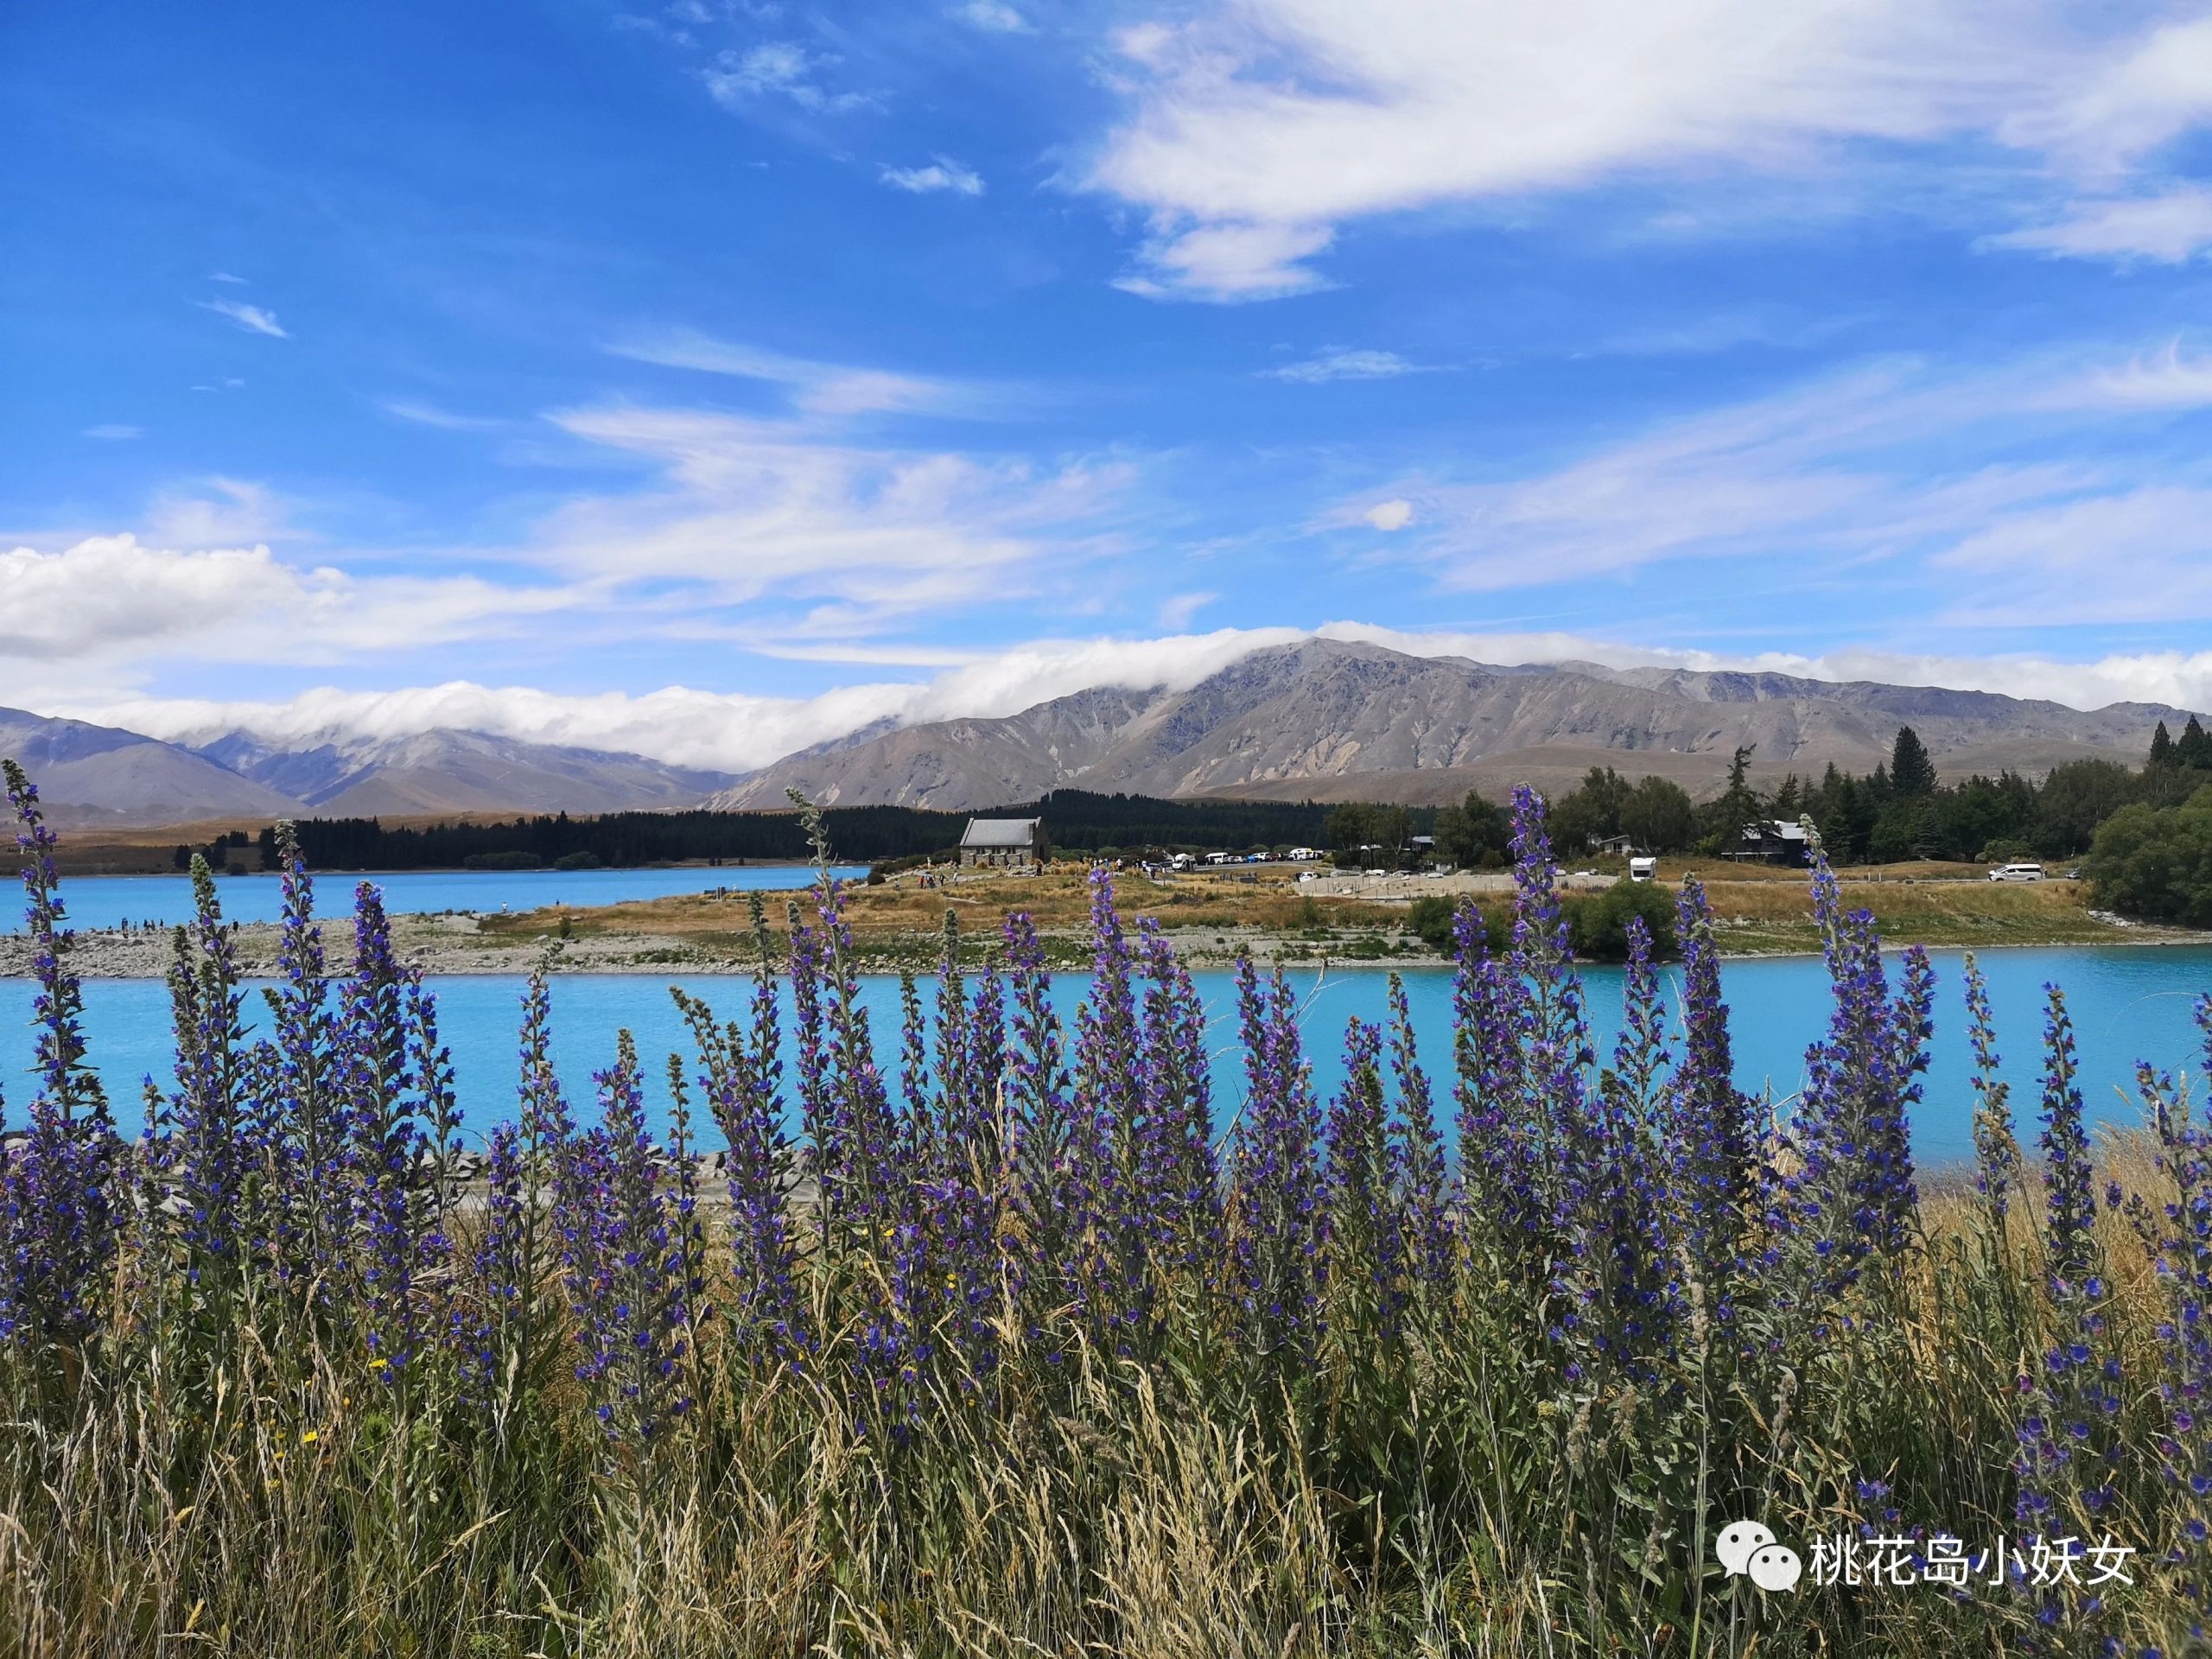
[583,859]
[1598,922]
[2156,862]
[516,859]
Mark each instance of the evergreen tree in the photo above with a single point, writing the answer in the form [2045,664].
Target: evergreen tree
[2194,749]
[2162,747]
[1911,772]
[1475,830]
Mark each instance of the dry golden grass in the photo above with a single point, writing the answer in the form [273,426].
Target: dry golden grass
[1058,900]
[1760,909]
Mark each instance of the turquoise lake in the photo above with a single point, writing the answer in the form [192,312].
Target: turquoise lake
[2128,1003]
[104,901]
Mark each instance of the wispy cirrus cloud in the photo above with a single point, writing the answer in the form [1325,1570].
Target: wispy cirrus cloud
[419,413]
[1255,131]
[254,319]
[942,173]
[993,15]
[1347,365]
[2169,228]
[781,69]
[746,510]
[1938,479]
[817,387]
[2166,379]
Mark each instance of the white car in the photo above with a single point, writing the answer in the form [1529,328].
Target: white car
[2017,872]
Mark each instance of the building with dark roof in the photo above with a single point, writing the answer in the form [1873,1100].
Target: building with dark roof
[1003,844]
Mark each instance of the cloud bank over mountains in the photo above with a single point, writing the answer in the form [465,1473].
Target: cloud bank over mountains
[737,733]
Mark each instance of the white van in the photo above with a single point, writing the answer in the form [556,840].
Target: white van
[1642,869]
[2017,872]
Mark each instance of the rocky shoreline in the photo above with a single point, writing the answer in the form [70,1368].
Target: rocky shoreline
[453,946]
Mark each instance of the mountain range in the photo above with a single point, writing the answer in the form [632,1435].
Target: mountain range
[1321,720]
[93,775]
[1333,720]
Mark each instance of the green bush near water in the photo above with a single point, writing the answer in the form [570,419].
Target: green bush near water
[2156,862]
[1597,922]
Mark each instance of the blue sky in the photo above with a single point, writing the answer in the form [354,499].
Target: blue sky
[708,379]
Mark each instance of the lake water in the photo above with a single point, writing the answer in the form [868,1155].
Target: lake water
[2127,1003]
[103,901]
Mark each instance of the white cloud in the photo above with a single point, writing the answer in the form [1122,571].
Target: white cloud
[113,433]
[225,277]
[734,732]
[2163,379]
[2171,228]
[251,318]
[111,599]
[993,15]
[1255,127]
[2058,559]
[1176,612]
[422,414]
[1232,262]
[826,388]
[778,68]
[2138,96]
[942,173]
[1892,464]
[1346,365]
[745,509]
[231,512]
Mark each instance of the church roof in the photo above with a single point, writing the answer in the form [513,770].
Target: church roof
[1002,832]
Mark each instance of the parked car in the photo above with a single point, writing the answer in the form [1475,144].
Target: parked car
[2018,872]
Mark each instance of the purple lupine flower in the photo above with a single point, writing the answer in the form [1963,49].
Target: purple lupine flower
[862,1155]
[915,1084]
[401,1112]
[1049,1196]
[965,1193]
[1997,1150]
[740,1075]
[492,1338]
[1417,1153]
[1636,1297]
[941,1119]
[2070,1447]
[1114,1143]
[1277,1243]
[1488,1005]
[1182,1177]
[2178,1236]
[635,1279]
[1852,1194]
[2070,1182]
[306,1107]
[1362,1225]
[1712,1127]
[208,1147]
[64,1213]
